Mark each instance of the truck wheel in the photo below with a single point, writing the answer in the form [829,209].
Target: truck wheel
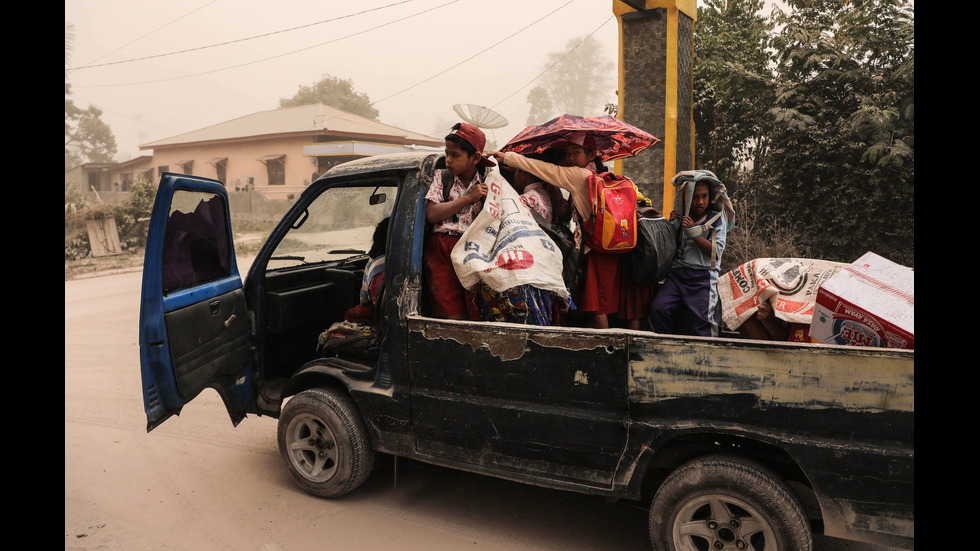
[727,503]
[324,442]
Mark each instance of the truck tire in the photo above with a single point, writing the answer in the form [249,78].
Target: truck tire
[324,442]
[727,503]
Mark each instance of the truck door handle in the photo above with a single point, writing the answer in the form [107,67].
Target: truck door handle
[229,321]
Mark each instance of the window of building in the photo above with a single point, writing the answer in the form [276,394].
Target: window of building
[187,167]
[220,168]
[127,181]
[93,181]
[277,173]
[275,166]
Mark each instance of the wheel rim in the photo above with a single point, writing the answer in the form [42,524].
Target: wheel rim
[312,447]
[718,522]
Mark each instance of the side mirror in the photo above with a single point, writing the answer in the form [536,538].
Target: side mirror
[378,198]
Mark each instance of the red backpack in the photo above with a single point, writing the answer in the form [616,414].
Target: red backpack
[612,226]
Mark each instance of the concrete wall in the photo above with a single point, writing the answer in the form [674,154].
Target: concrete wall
[644,64]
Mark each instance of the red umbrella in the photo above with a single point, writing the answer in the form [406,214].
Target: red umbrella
[613,139]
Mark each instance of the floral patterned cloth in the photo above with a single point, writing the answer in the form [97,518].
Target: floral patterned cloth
[524,304]
[536,197]
[466,215]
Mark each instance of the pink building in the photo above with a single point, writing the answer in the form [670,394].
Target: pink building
[280,151]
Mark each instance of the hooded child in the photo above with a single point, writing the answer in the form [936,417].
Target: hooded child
[687,303]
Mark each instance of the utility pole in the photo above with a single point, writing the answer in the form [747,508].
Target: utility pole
[656,90]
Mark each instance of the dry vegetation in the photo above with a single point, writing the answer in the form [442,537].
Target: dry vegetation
[746,240]
[246,244]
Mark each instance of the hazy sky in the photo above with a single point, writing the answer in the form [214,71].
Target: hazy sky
[158,69]
[412,58]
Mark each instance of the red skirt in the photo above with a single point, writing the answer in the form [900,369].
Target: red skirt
[600,289]
[634,298]
[609,289]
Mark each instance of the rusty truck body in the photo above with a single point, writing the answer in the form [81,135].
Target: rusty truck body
[733,443]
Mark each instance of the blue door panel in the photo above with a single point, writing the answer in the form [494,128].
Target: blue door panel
[193,328]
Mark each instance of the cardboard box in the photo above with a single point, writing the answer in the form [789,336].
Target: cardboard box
[869,303]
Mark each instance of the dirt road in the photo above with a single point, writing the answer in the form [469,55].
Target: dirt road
[197,483]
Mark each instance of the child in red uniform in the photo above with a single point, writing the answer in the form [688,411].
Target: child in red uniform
[450,218]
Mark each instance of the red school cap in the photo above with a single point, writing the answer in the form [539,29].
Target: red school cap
[475,137]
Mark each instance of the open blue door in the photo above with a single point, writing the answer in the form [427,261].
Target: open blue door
[193,321]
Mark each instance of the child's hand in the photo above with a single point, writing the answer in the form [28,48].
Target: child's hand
[764,311]
[478,192]
[687,222]
[674,215]
[498,156]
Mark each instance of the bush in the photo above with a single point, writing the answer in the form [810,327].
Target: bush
[132,234]
[76,245]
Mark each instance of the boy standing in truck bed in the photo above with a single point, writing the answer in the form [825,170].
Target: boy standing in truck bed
[451,213]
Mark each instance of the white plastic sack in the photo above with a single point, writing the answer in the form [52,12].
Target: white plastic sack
[505,247]
[792,281]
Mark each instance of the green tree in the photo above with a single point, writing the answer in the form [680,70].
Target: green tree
[576,83]
[841,160]
[334,92]
[87,137]
[733,87]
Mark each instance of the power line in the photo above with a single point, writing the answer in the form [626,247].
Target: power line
[476,54]
[155,56]
[117,113]
[275,56]
[509,37]
[555,63]
[141,38]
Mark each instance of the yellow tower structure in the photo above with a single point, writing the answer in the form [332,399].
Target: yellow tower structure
[656,90]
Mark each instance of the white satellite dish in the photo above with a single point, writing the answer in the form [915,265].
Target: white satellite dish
[479,116]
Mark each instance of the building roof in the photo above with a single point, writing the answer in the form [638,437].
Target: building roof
[305,119]
[136,161]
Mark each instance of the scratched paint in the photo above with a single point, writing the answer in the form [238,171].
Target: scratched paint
[663,368]
[812,377]
[509,341]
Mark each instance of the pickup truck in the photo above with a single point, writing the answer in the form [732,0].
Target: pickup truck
[733,443]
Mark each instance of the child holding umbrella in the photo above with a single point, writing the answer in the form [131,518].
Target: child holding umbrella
[606,290]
